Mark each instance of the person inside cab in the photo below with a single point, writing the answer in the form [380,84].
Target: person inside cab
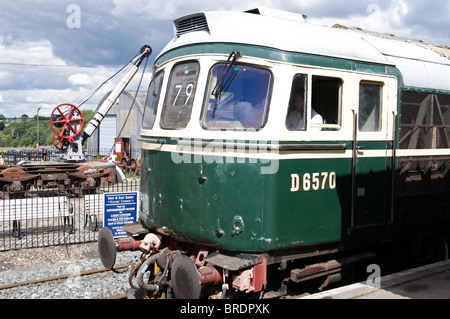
[295,119]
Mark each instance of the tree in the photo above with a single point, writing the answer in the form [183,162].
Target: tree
[24,133]
[6,141]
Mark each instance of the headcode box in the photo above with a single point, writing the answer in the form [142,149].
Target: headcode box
[120,209]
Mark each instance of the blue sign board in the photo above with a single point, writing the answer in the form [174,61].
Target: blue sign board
[120,209]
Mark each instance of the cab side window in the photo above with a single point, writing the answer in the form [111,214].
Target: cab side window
[297,104]
[327,101]
[151,104]
[325,112]
[369,115]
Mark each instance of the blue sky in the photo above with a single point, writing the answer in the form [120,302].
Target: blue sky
[57,51]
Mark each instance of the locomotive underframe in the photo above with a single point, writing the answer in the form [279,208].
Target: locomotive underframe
[206,271]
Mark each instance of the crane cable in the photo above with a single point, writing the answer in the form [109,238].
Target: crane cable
[88,96]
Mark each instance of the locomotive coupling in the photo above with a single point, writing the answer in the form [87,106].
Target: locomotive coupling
[185,278]
[108,246]
[186,271]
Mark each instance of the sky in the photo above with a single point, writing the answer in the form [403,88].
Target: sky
[58,51]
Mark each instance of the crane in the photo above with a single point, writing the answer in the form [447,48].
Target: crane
[67,120]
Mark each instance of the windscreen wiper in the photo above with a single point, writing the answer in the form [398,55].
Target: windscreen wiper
[225,79]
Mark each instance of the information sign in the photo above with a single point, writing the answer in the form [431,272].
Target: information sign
[120,209]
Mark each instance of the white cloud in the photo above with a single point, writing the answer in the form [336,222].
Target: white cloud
[159,10]
[31,99]
[34,52]
[390,19]
[45,96]
[80,79]
[27,101]
[3,75]
[169,10]
[398,11]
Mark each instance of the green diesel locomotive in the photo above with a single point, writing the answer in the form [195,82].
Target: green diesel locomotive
[268,141]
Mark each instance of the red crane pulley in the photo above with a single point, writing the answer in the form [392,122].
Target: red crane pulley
[66,124]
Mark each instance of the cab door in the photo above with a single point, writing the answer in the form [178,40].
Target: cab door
[372,156]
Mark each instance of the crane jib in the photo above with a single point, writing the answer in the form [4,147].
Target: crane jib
[108,103]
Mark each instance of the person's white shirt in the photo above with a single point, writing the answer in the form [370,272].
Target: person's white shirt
[316,118]
[294,121]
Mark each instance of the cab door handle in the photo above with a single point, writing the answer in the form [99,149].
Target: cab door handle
[360,149]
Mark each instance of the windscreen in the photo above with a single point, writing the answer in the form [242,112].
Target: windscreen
[237,98]
[180,95]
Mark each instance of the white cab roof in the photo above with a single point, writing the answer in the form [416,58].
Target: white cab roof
[421,66]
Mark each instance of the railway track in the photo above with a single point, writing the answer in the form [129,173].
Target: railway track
[84,280]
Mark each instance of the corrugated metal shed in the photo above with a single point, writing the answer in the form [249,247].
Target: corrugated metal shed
[128,123]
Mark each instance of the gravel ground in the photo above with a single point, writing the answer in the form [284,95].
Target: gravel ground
[33,264]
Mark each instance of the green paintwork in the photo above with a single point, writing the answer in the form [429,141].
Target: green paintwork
[280,56]
[373,185]
[273,216]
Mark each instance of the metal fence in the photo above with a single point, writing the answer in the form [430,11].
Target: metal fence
[49,217]
[12,157]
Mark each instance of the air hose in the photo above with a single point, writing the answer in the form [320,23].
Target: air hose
[140,274]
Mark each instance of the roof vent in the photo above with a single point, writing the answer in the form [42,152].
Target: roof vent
[191,23]
[278,14]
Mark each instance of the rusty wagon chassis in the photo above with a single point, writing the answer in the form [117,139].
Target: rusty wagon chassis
[76,177]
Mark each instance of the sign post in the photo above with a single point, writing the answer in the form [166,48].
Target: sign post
[120,209]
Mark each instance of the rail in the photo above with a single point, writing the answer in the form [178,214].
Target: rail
[62,277]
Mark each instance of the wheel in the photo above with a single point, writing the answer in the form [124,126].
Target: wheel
[59,142]
[66,124]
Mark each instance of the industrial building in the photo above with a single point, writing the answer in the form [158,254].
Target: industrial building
[123,120]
